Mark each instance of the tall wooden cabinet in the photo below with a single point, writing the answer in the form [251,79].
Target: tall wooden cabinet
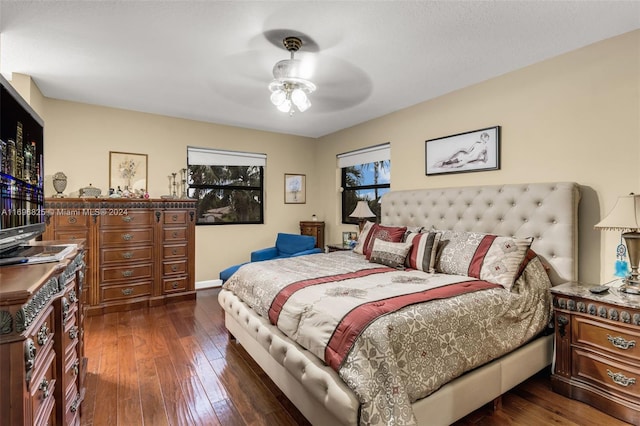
[140,252]
[41,342]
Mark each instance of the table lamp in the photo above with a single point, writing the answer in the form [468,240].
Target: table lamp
[362,212]
[625,217]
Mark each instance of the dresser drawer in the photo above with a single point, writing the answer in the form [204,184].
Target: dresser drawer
[613,339]
[42,387]
[125,218]
[71,234]
[81,220]
[127,291]
[174,285]
[175,267]
[121,237]
[612,376]
[125,254]
[71,372]
[71,408]
[42,332]
[127,272]
[175,234]
[175,217]
[174,250]
[70,336]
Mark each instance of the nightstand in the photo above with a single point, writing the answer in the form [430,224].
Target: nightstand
[315,229]
[337,247]
[597,356]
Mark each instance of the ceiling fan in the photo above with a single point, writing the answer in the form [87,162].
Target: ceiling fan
[290,87]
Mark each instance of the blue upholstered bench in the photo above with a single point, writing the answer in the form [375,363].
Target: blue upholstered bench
[287,245]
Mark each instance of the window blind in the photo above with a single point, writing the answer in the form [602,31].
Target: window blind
[218,157]
[366,155]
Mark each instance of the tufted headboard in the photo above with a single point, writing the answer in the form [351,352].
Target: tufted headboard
[546,211]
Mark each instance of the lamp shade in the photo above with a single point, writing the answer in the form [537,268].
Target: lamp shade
[624,216]
[362,210]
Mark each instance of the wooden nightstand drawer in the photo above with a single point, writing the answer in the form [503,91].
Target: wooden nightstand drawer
[174,285]
[614,377]
[174,267]
[42,335]
[609,338]
[80,220]
[175,234]
[42,388]
[71,234]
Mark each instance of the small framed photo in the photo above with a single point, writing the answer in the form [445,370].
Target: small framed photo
[474,151]
[295,191]
[349,239]
[127,171]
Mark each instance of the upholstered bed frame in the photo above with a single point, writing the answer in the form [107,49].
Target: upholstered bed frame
[545,211]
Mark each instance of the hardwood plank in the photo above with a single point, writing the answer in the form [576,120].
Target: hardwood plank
[176,364]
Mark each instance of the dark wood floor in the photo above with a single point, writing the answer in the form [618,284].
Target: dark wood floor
[174,365]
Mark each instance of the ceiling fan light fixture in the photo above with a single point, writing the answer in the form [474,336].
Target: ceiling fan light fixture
[289,89]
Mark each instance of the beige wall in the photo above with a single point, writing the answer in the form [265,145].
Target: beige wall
[575,117]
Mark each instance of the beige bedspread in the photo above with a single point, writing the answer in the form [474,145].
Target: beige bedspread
[404,355]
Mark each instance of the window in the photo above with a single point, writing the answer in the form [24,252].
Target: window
[228,186]
[366,175]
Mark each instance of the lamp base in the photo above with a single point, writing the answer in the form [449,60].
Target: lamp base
[632,282]
[630,288]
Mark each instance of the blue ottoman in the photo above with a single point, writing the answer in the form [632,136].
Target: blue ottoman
[226,273]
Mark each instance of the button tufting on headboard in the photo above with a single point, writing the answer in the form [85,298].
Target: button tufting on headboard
[547,211]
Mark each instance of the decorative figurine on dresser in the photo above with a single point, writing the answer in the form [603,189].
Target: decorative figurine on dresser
[597,339]
[140,252]
[41,341]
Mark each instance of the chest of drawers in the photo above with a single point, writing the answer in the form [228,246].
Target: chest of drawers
[141,251]
[41,342]
[598,349]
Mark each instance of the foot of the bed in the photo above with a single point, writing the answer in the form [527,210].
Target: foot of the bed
[232,338]
[497,403]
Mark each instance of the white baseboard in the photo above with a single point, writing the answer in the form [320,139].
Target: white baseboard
[208,284]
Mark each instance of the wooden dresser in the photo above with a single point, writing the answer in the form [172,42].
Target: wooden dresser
[598,349]
[139,252]
[315,229]
[41,342]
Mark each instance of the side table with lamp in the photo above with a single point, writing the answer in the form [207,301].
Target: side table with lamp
[597,330]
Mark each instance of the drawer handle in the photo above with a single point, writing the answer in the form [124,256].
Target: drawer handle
[72,219]
[621,379]
[76,402]
[127,219]
[75,368]
[174,268]
[73,333]
[127,274]
[174,251]
[127,255]
[72,296]
[174,285]
[44,387]
[127,291]
[127,237]
[175,234]
[43,334]
[621,343]
[174,217]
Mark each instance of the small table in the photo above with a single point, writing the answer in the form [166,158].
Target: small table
[597,340]
[337,247]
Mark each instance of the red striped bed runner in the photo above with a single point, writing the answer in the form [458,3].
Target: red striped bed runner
[356,321]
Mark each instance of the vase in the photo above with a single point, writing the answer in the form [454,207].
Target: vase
[59,184]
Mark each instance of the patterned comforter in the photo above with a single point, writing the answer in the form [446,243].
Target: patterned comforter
[439,327]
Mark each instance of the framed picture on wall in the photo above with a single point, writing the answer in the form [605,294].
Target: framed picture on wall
[474,151]
[127,171]
[295,191]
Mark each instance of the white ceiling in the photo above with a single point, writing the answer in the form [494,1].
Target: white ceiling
[212,60]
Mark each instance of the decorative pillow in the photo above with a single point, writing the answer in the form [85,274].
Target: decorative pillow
[386,233]
[487,257]
[359,248]
[389,254]
[422,255]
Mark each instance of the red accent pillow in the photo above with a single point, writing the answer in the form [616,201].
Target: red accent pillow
[393,234]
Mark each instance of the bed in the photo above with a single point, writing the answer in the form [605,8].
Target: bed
[368,382]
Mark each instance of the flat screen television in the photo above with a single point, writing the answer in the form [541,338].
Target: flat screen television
[22,216]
